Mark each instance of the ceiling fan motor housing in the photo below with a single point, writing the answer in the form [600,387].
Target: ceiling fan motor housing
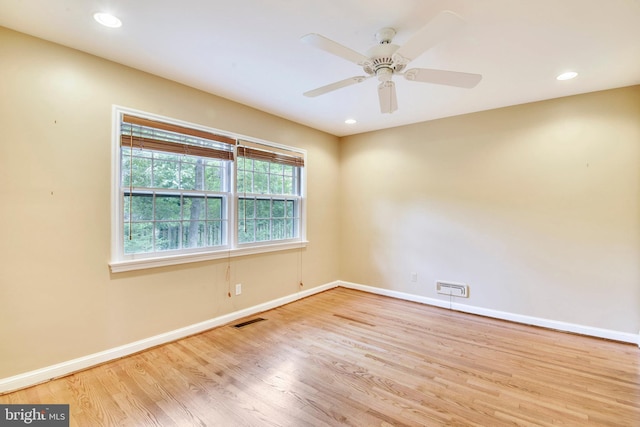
[381,61]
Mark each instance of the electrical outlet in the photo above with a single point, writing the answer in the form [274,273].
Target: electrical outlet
[238,288]
[414,277]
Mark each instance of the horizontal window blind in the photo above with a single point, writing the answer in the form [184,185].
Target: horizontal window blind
[126,118]
[148,134]
[270,154]
[173,147]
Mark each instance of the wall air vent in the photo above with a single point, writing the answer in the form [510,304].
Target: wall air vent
[453,289]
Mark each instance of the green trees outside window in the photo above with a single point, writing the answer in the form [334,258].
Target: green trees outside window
[268,207]
[184,190]
[176,201]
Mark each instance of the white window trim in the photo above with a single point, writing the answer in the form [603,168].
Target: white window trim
[143,261]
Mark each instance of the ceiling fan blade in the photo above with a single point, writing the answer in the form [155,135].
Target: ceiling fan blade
[442,26]
[334,48]
[335,86]
[387,97]
[443,77]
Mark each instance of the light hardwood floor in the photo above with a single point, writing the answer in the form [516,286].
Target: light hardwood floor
[344,357]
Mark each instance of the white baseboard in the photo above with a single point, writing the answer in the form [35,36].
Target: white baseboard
[65,368]
[517,318]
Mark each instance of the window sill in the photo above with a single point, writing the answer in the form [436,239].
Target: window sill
[144,263]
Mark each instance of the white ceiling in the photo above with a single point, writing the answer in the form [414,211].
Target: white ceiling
[249,51]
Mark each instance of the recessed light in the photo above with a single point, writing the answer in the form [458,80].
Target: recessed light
[567,76]
[107,20]
[350,121]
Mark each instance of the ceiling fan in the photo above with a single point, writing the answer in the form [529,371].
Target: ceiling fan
[386,59]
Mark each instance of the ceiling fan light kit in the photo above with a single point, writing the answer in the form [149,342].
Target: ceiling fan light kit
[386,59]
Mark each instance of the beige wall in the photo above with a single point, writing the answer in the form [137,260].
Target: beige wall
[58,300]
[536,207]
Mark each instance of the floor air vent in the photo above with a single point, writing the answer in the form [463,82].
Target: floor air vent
[248,322]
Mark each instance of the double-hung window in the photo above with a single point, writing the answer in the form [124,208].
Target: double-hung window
[185,193]
[269,193]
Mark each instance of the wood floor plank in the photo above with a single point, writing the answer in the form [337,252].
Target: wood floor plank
[344,357]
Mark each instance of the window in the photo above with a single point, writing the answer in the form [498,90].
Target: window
[268,195]
[184,193]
